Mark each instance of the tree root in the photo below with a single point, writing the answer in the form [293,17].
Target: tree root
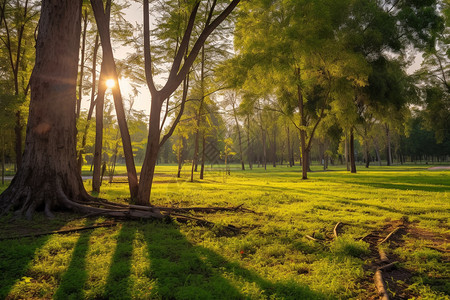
[390,234]
[381,287]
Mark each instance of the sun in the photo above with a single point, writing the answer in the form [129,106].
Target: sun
[110,83]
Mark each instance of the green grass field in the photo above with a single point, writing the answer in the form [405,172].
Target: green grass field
[270,258]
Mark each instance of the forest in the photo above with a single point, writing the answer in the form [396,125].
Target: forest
[225,149]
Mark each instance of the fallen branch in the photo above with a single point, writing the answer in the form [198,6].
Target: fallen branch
[390,234]
[312,238]
[383,256]
[381,287]
[63,231]
[180,217]
[388,267]
[336,228]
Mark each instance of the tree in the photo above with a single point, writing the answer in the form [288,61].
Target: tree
[18,23]
[48,176]
[177,75]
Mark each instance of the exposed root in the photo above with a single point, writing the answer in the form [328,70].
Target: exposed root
[388,267]
[381,287]
[390,234]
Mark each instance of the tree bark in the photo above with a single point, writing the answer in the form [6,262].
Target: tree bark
[177,75]
[388,145]
[289,146]
[83,51]
[97,160]
[202,168]
[91,105]
[48,176]
[102,19]
[302,130]
[352,152]
[241,154]
[249,146]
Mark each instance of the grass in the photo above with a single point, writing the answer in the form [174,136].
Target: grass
[270,259]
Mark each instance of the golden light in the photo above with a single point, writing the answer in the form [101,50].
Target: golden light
[110,83]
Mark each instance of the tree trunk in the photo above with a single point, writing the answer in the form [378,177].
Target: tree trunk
[241,154]
[377,152]
[352,152]
[151,154]
[3,156]
[302,132]
[91,105]
[18,141]
[289,146]
[388,145]
[48,175]
[202,168]
[249,146]
[346,152]
[274,147]
[97,160]
[102,19]
[83,51]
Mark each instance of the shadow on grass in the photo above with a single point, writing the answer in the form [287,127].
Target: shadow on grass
[404,186]
[185,271]
[15,258]
[74,279]
[118,285]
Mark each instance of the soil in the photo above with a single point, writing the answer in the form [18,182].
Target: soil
[397,279]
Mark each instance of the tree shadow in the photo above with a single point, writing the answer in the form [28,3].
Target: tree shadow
[404,186]
[15,259]
[74,279]
[118,284]
[185,271]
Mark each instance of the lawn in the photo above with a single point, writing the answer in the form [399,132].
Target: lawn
[285,248]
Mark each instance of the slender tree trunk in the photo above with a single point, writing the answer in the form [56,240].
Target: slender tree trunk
[388,145]
[264,148]
[241,154]
[48,176]
[202,168]
[102,19]
[304,152]
[91,105]
[249,146]
[97,160]
[3,156]
[289,146]
[352,152]
[377,152]
[274,147]
[346,152]
[83,51]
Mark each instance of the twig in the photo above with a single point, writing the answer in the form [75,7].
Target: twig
[389,235]
[336,228]
[311,238]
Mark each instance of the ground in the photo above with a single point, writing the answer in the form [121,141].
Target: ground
[285,247]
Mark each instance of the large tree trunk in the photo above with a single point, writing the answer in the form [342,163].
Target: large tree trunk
[48,176]
[352,152]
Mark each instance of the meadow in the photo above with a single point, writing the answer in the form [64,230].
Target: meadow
[284,249]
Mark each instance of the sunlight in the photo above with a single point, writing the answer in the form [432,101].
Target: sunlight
[110,83]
